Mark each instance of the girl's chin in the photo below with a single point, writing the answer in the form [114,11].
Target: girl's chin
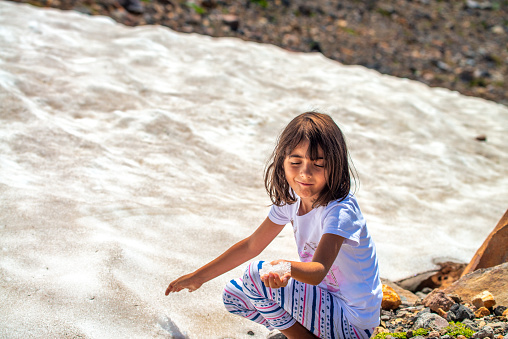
[306,195]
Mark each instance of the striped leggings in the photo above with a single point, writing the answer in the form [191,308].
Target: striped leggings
[316,309]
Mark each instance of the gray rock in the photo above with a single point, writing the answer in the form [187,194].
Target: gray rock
[402,313]
[478,5]
[425,310]
[499,327]
[499,310]
[470,324]
[275,334]
[429,320]
[461,312]
[450,316]
[421,295]
[485,332]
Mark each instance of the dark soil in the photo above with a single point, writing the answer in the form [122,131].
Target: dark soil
[457,44]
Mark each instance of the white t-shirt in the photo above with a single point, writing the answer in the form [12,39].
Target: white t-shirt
[354,275]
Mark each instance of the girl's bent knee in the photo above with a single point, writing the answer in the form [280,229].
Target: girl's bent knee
[252,284]
[233,296]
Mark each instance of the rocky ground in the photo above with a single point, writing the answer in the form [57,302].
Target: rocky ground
[416,320]
[458,44]
[473,306]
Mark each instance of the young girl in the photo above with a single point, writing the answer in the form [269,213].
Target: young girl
[335,291]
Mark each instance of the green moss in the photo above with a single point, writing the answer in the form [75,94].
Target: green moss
[453,330]
[349,31]
[480,82]
[198,9]
[458,328]
[421,331]
[262,3]
[498,61]
[402,335]
[383,12]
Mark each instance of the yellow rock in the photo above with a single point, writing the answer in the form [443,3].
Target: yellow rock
[488,299]
[391,299]
[481,312]
[484,299]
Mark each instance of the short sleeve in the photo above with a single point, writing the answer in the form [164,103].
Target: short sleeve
[344,220]
[279,215]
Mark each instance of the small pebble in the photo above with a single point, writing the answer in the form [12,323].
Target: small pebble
[434,334]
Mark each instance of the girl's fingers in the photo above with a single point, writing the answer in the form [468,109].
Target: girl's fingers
[273,280]
[173,288]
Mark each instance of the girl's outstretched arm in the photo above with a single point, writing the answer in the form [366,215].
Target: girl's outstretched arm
[237,254]
[310,272]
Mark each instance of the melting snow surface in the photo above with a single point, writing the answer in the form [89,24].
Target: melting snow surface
[130,156]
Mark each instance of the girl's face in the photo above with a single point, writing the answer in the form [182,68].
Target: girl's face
[306,177]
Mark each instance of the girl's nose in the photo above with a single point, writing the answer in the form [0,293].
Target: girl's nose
[306,170]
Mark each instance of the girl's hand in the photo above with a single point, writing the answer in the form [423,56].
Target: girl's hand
[188,281]
[273,280]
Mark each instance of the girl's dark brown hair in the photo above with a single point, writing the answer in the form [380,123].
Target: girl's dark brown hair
[320,131]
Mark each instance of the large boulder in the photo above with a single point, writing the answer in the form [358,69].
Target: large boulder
[495,279]
[494,250]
